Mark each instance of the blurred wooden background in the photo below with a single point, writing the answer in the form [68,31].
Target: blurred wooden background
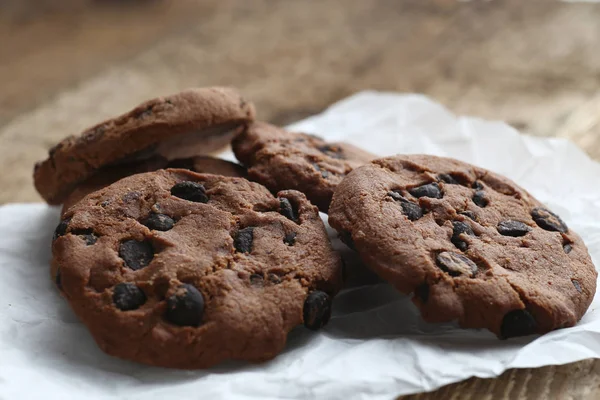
[65,65]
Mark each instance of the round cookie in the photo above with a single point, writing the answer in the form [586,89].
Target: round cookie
[470,244]
[285,160]
[178,269]
[109,175]
[195,121]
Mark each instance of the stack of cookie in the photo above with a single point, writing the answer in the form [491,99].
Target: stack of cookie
[177,259]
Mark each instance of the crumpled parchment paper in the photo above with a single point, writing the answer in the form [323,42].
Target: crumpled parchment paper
[375,347]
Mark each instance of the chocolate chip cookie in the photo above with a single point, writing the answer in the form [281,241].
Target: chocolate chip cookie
[195,121]
[178,269]
[109,175]
[285,160]
[470,244]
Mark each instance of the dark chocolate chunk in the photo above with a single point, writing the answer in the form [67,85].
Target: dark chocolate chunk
[87,235]
[128,296]
[430,190]
[94,134]
[567,247]
[287,210]
[549,221]
[89,238]
[186,306]
[477,185]
[513,228]
[331,151]
[460,228]
[412,211]
[317,310]
[447,178]
[243,240]
[61,229]
[256,280]
[290,238]
[136,255]
[159,222]
[129,197]
[192,191]
[456,264]
[274,278]
[324,173]
[517,323]
[577,285]
[141,114]
[422,292]
[480,199]
[469,214]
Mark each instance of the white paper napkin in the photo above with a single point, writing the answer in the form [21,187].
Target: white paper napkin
[375,346]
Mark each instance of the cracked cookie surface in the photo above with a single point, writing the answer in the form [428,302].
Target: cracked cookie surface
[470,244]
[186,124]
[280,160]
[179,269]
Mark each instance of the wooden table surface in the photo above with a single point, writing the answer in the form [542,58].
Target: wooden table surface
[535,64]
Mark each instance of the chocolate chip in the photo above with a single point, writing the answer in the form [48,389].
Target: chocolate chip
[517,323]
[192,191]
[290,238]
[186,306]
[549,221]
[89,238]
[567,247]
[480,199]
[331,151]
[274,278]
[130,197]
[243,240]
[136,254]
[287,210]
[87,235]
[456,264]
[324,174]
[412,211]
[159,222]
[256,280]
[513,228]
[577,285]
[477,185]
[430,190]
[317,310]
[127,296]
[447,178]
[94,134]
[422,292]
[58,279]
[141,114]
[61,229]
[469,214]
[460,228]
